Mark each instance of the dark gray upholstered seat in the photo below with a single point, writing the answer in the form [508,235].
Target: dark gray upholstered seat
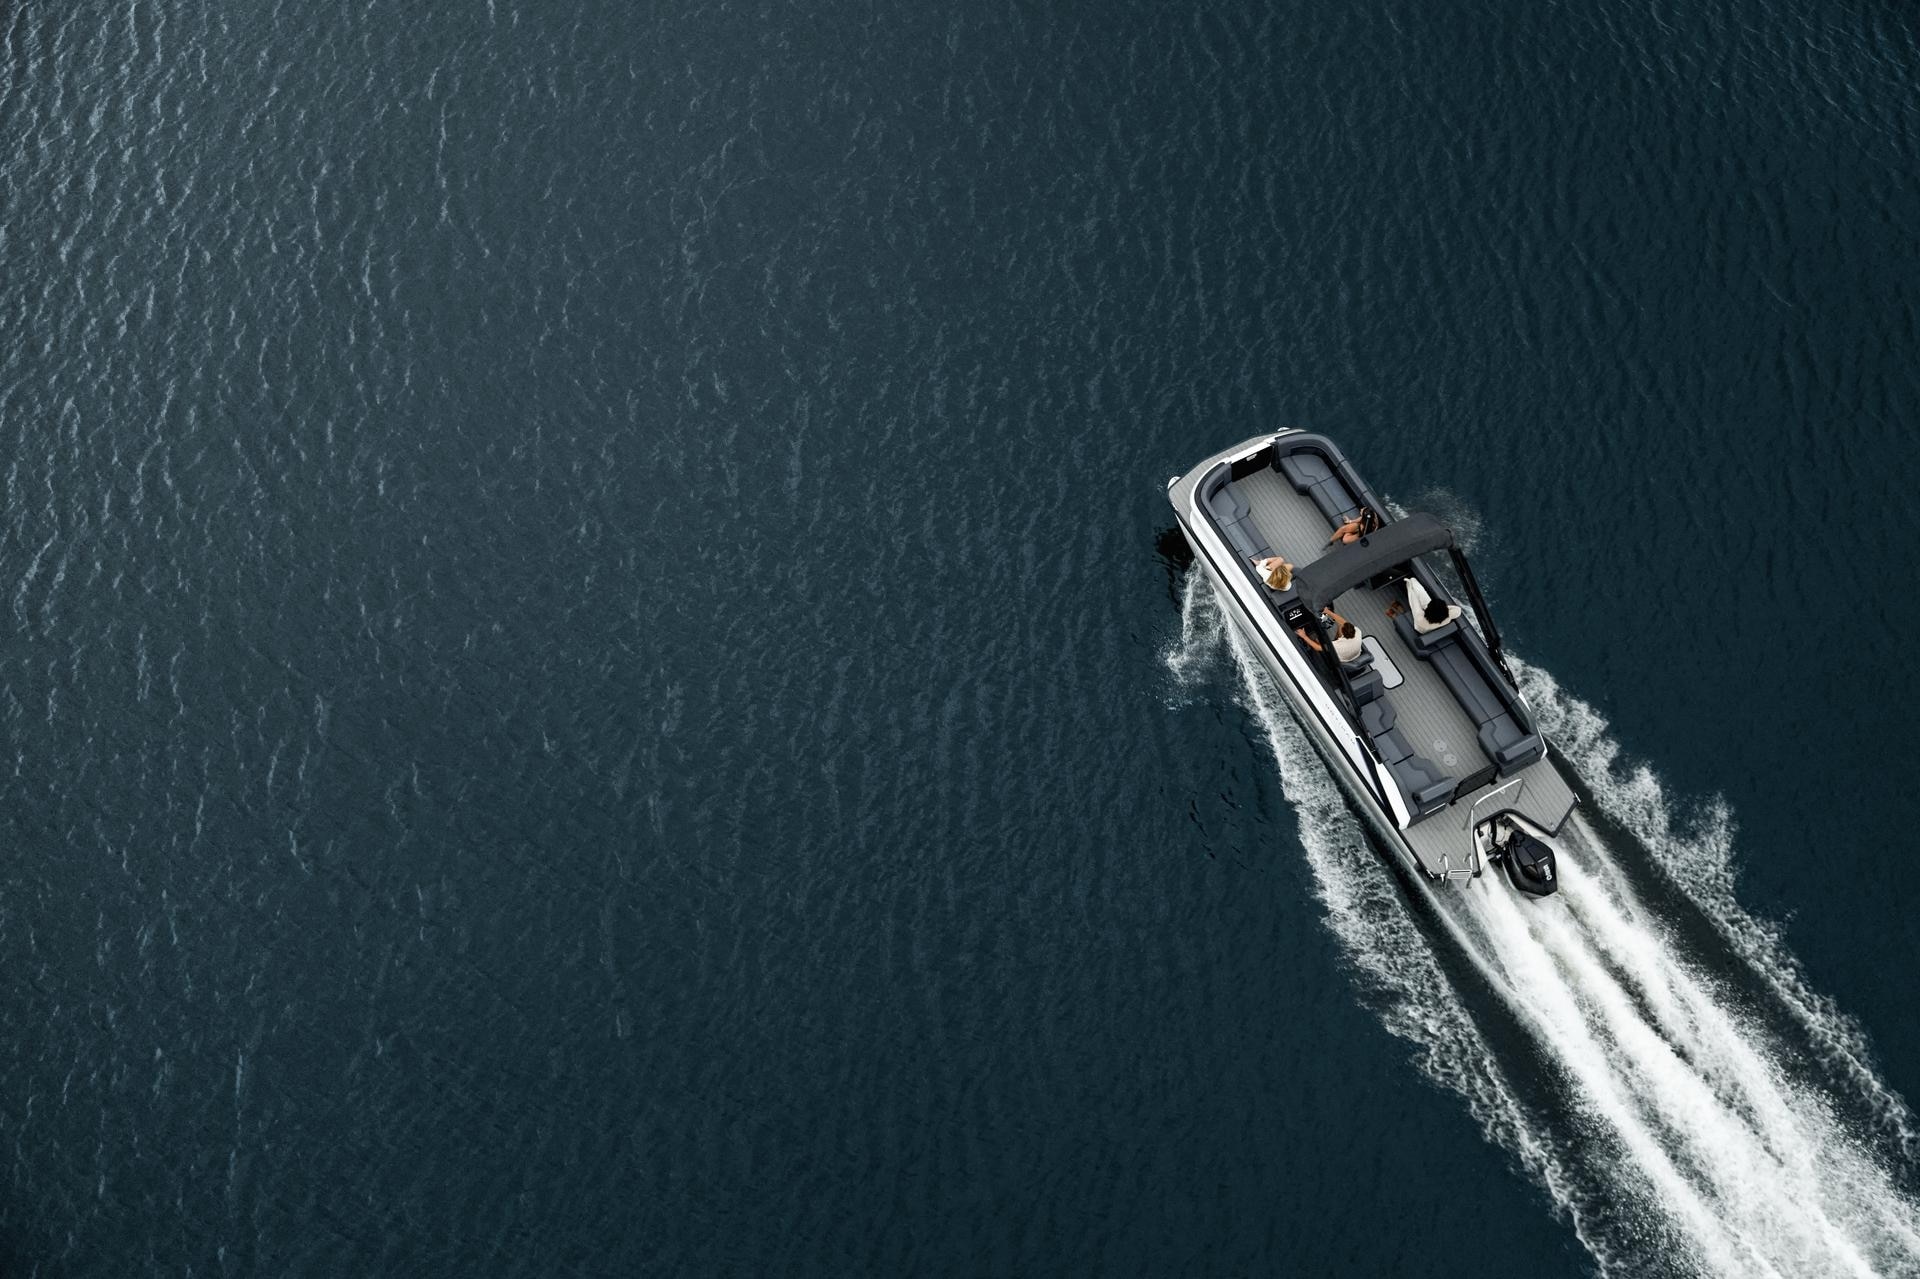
[1366,685]
[1235,518]
[1310,474]
[1425,785]
[1510,746]
[1304,470]
[1377,716]
[1391,742]
[1455,665]
[1471,678]
[1424,645]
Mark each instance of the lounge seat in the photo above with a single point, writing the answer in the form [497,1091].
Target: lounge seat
[1235,518]
[1391,743]
[1426,786]
[1455,664]
[1509,746]
[1309,473]
[1469,677]
[1377,716]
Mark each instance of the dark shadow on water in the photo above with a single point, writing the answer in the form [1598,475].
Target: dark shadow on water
[1176,557]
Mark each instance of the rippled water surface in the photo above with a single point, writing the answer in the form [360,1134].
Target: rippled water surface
[596,683]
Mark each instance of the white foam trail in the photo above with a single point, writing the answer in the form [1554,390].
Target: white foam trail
[1756,1166]
[1191,658]
[1688,1146]
[1699,863]
[1367,914]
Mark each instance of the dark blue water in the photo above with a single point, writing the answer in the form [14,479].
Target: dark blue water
[596,684]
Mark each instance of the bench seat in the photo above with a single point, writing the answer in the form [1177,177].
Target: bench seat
[1425,786]
[1309,473]
[1235,518]
[1467,674]
[1424,645]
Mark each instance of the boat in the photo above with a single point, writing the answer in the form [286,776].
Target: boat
[1426,729]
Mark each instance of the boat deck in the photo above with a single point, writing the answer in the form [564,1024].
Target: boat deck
[1428,714]
[1431,719]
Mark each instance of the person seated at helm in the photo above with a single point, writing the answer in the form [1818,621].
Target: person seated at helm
[1356,528]
[1346,637]
[1429,614]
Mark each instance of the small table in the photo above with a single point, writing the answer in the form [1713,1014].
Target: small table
[1390,676]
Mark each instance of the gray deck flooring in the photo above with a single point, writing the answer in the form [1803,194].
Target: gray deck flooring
[1293,524]
[1544,798]
[1434,724]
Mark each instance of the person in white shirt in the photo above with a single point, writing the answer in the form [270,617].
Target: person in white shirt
[1346,637]
[1429,614]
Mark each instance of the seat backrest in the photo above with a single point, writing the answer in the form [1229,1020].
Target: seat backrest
[1309,473]
[1235,518]
[1367,685]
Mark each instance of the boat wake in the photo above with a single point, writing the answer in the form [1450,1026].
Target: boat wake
[1676,1127]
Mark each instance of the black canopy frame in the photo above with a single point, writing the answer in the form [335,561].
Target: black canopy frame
[1387,548]
[1381,551]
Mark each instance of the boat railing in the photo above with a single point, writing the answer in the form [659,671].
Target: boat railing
[1469,866]
[1519,782]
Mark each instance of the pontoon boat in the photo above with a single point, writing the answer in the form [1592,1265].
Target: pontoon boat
[1426,729]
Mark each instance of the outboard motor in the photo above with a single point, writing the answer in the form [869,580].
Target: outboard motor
[1529,861]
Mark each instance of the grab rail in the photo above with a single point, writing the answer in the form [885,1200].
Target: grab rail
[1521,782]
[1472,866]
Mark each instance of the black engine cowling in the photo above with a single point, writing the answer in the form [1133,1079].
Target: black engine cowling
[1529,864]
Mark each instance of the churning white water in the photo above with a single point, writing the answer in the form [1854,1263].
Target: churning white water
[1682,1142]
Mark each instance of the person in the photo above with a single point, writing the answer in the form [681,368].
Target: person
[1356,528]
[1429,614]
[1346,638]
[1275,572]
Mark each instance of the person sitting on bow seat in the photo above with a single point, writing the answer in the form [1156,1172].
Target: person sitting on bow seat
[1275,572]
[1356,528]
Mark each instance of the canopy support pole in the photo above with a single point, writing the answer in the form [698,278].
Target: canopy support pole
[1480,612]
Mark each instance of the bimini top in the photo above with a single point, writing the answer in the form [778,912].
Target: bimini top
[1320,582]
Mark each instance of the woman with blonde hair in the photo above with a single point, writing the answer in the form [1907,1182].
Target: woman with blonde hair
[1275,572]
